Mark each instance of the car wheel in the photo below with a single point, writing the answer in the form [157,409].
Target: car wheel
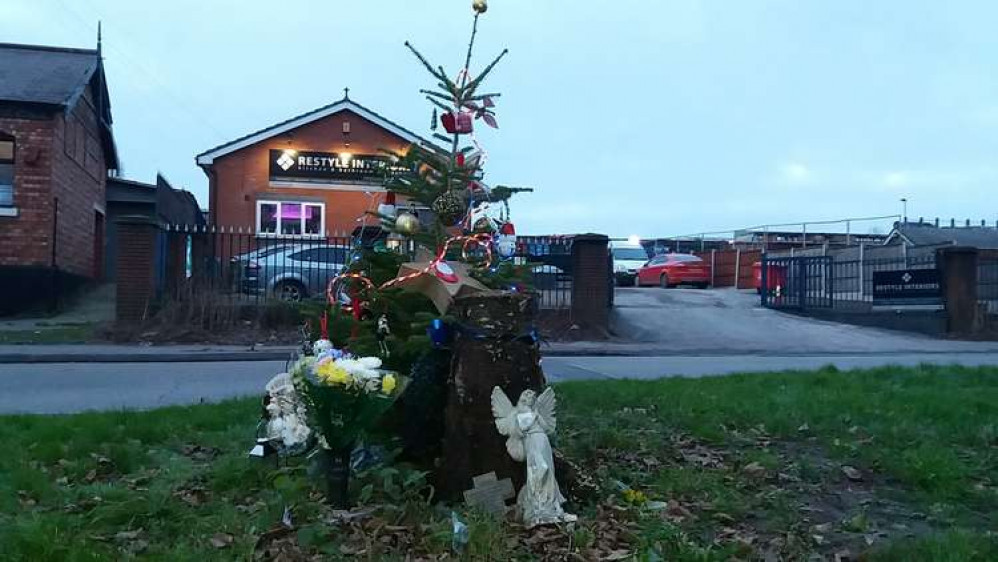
[664,282]
[289,291]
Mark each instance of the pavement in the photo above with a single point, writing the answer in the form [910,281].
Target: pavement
[688,333]
[63,388]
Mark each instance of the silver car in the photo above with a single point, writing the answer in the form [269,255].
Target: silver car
[290,272]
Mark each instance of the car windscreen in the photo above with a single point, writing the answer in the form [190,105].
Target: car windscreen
[634,254]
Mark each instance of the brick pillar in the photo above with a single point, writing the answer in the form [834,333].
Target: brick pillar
[135,267]
[958,269]
[591,281]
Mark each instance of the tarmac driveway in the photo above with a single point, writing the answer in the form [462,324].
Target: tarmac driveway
[655,321]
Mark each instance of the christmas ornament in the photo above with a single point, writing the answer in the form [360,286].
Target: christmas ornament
[480,6]
[484,225]
[406,223]
[438,332]
[322,344]
[387,209]
[506,241]
[383,331]
[459,123]
[460,160]
[449,207]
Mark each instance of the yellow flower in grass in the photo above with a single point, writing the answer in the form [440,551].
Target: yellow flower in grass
[636,497]
[388,384]
[332,374]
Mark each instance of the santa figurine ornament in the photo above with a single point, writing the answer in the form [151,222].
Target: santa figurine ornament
[505,241]
[383,332]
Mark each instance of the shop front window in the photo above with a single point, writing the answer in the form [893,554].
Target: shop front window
[6,172]
[289,218]
[268,218]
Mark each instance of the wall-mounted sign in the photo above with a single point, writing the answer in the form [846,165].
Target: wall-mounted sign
[907,287]
[330,166]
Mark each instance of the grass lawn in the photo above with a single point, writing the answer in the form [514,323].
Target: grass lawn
[890,464]
[56,333]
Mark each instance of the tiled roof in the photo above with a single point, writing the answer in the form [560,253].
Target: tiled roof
[48,75]
[926,234]
[346,104]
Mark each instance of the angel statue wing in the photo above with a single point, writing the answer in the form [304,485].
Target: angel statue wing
[545,410]
[505,415]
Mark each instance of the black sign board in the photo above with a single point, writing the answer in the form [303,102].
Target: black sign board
[907,287]
[330,166]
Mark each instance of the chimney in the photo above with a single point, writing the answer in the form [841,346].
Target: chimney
[937,222]
[921,220]
[952,223]
[968,222]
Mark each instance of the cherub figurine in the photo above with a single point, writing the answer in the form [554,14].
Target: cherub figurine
[528,425]
[383,332]
[287,428]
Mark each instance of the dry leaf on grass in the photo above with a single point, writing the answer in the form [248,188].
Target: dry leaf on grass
[852,473]
[221,540]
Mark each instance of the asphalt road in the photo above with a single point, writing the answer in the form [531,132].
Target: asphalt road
[654,321]
[55,388]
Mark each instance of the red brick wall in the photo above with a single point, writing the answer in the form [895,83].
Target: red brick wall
[78,180]
[243,177]
[57,156]
[24,239]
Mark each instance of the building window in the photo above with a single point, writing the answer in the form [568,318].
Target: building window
[289,218]
[6,172]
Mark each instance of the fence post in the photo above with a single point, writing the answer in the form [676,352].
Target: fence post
[713,261]
[958,272]
[590,282]
[136,268]
[862,273]
[738,266]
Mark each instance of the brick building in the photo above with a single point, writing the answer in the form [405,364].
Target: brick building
[312,175]
[56,149]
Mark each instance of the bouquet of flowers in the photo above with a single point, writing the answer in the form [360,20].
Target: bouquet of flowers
[344,396]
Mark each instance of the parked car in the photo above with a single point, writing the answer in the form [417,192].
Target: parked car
[627,260]
[290,272]
[670,270]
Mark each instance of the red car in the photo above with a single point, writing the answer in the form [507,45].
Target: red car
[669,270]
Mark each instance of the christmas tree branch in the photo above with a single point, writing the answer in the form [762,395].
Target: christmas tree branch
[471,44]
[441,76]
[470,88]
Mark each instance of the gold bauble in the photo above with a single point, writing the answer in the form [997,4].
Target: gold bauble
[406,224]
[480,6]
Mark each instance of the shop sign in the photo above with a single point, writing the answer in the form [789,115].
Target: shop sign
[330,166]
[907,287]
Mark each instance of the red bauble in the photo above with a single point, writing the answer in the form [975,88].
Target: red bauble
[459,123]
[507,229]
[460,160]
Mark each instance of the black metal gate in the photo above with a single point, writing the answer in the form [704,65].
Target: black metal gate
[797,283]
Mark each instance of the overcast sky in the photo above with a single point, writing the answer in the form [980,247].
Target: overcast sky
[655,118]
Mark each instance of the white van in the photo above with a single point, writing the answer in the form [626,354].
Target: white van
[627,259]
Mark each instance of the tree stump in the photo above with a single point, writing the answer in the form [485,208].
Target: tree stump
[493,346]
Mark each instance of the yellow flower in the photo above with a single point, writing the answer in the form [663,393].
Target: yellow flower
[635,496]
[388,384]
[330,373]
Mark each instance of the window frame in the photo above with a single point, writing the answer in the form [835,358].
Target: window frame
[278,202]
[13,167]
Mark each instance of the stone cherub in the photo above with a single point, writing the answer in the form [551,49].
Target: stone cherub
[527,425]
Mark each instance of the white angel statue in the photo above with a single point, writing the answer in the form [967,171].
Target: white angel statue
[528,425]
[287,426]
